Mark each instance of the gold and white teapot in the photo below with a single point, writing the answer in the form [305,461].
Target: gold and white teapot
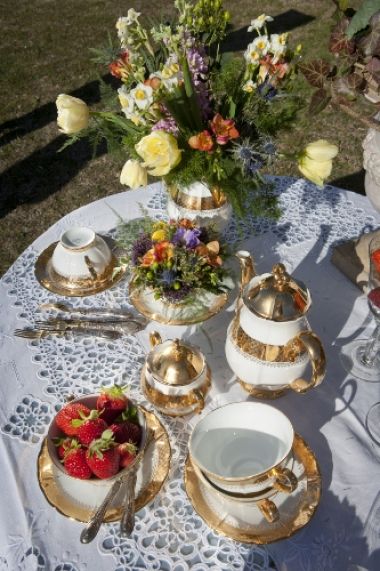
[269,342]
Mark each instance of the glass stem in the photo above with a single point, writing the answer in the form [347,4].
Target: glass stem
[371,348]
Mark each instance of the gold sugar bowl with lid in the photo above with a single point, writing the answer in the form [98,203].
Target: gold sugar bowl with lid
[175,377]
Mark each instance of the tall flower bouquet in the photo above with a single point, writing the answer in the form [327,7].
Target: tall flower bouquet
[189,113]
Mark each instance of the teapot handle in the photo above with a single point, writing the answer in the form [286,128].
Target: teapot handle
[317,357]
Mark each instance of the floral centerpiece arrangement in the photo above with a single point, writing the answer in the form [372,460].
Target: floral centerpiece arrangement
[176,259]
[188,112]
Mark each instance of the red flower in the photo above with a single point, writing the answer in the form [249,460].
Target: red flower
[224,129]
[202,142]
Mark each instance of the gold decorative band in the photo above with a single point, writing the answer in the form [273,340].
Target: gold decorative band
[261,393]
[216,200]
[288,353]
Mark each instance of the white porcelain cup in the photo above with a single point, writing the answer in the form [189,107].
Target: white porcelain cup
[81,254]
[244,448]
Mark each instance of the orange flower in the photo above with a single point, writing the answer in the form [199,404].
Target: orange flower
[201,142]
[224,129]
[210,252]
[275,71]
[153,82]
[186,223]
[121,67]
[163,251]
[148,258]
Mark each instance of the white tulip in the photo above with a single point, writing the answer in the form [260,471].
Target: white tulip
[73,114]
[133,174]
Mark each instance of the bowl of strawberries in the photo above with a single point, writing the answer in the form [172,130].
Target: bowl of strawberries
[97,437]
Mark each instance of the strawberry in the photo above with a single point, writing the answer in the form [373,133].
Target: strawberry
[375,257]
[103,457]
[111,403]
[374,296]
[89,427]
[76,464]
[126,431]
[67,414]
[65,444]
[128,453]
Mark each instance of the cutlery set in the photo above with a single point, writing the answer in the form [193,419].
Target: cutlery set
[106,323]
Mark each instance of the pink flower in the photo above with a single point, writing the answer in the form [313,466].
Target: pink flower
[224,129]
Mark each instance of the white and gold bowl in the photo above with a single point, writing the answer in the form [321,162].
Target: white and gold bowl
[91,492]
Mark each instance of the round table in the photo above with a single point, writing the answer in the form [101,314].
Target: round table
[169,535]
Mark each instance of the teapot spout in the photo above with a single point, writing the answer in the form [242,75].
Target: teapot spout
[247,267]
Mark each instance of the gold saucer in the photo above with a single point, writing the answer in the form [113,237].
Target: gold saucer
[170,313]
[291,519]
[67,505]
[60,285]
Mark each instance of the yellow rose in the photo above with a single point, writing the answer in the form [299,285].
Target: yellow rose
[315,161]
[73,114]
[133,174]
[160,152]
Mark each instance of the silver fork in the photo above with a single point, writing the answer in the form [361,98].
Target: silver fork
[41,333]
[126,326]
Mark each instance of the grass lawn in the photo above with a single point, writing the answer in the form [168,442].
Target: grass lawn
[44,52]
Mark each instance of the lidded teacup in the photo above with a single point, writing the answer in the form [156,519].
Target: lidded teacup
[81,254]
[175,377]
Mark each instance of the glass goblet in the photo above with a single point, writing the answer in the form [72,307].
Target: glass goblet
[361,357]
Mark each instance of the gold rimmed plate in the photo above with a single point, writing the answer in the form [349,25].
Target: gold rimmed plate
[65,494]
[201,307]
[50,280]
[244,521]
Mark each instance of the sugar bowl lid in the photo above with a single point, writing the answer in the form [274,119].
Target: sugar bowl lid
[278,297]
[175,363]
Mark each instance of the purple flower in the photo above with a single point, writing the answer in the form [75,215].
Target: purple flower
[267,91]
[168,125]
[187,237]
[140,247]
[176,295]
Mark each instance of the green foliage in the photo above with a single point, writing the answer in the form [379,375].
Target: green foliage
[272,116]
[106,54]
[226,81]
[362,17]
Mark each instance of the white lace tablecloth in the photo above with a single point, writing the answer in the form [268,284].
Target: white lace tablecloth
[169,535]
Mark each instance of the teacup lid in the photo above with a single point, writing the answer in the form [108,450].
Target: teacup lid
[175,363]
[278,297]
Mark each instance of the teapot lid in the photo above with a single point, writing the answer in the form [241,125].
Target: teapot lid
[278,297]
[175,363]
